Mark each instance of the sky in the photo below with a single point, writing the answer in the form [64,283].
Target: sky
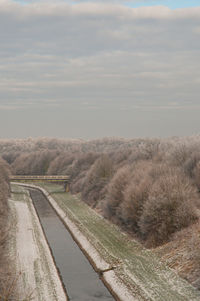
[79,69]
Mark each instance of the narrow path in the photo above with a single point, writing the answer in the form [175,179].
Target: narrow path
[80,280]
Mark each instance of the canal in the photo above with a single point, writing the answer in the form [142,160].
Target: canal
[79,278]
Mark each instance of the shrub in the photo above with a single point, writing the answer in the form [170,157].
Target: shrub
[169,208]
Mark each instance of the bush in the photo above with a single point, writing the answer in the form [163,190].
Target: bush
[169,208]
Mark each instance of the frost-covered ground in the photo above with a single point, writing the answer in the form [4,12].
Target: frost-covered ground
[137,274]
[38,277]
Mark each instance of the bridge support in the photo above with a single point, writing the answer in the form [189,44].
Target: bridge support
[66,187]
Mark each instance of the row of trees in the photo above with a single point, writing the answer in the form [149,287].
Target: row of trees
[149,187]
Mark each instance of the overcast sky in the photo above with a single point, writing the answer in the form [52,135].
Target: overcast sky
[79,69]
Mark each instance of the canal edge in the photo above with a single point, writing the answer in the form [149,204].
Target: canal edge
[61,294]
[119,291]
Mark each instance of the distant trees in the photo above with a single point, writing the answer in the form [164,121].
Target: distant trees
[35,163]
[98,176]
[78,170]
[61,164]
[147,186]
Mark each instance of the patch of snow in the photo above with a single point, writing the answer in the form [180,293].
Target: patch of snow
[38,275]
[26,249]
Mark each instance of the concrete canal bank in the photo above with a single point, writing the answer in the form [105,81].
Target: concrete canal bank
[81,281]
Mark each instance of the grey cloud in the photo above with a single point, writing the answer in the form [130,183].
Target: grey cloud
[100,58]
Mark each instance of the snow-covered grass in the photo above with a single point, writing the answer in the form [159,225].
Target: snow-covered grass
[34,263]
[139,269]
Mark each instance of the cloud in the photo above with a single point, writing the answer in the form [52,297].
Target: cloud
[107,56]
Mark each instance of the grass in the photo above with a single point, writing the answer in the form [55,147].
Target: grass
[138,268]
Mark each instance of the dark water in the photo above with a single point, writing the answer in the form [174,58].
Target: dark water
[82,283]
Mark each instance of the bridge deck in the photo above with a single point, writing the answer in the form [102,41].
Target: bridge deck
[38,178]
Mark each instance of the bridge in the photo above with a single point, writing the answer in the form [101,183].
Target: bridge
[42,178]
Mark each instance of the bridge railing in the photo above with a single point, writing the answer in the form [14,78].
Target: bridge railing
[38,177]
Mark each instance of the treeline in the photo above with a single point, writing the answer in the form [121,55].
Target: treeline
[5,267]
[150,187]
